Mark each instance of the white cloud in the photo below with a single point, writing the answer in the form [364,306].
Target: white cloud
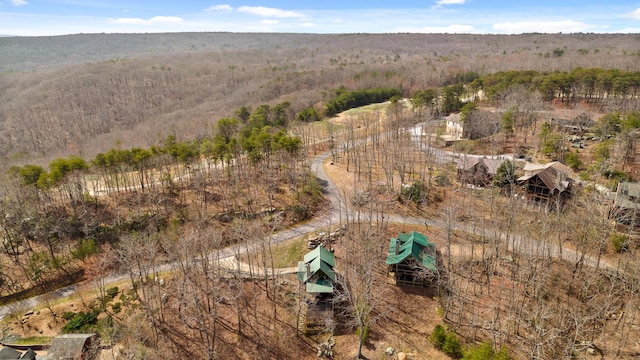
[564,26]
[18,2]
[166,19]
[219,8]
[128,21]
[152,21]
[269,12]
[634,14]
[330,21]
[450,2]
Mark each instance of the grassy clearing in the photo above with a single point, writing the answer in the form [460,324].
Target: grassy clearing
[366,109]
[33,340]
[323,126]
[288,254]
[285,254]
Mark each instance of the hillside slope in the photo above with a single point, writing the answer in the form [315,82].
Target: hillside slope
[87,93]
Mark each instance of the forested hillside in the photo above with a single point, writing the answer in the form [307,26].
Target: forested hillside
[85,93]
[183,177]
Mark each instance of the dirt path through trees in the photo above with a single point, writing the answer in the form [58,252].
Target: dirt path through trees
[337,215]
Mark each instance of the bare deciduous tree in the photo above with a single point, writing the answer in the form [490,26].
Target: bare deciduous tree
[361,292]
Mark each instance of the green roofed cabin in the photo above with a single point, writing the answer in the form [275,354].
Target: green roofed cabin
[411,258]
[316,273]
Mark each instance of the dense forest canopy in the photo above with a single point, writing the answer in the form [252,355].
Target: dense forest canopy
[591,84]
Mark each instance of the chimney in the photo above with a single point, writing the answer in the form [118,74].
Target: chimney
[397,247]
[308,269]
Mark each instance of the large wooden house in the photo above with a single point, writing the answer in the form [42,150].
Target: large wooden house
[411,259]
[317,276]
[478,171]
[549,183]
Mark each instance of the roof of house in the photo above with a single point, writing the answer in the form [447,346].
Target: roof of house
[70,346]
[628,195]
[317,261]
[320,252]
[454,117]
[554,175]
[319,286]
[552,179]
[28,355]
[7,353]
[532,169]
[414,245]
[466,163]
[629,188]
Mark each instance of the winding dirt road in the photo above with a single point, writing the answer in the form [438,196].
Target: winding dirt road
[337,215]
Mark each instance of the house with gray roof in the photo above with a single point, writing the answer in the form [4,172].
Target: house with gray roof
[548,183]
[626,205]
[478,171]
[73,347]
[7,353]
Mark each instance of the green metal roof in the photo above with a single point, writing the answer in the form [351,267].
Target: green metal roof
[301,271]
[320,286]
[320,277]
[314,267]
[322,253]
[415,245]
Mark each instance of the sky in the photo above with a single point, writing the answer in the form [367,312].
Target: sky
[61,17]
